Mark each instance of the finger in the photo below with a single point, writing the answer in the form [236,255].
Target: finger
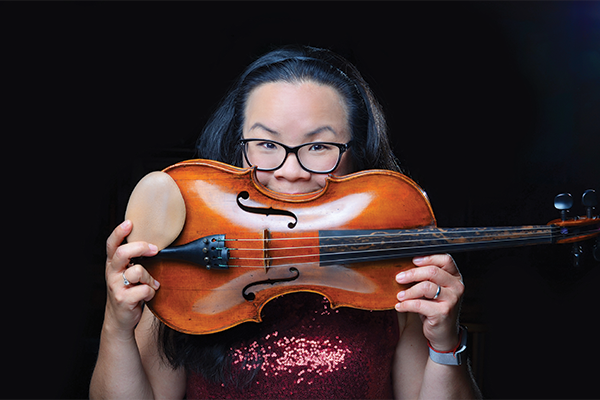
[126,252]
[137,274]
[444,261]
[129,299]
[424,307]
[147,293]
[439,310]
[116,238]
[427,273]
[140,293]
[426,289]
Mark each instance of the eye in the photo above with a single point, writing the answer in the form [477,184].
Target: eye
[319,147]
[266,145]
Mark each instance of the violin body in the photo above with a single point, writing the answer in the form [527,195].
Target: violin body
[273,244]
[240,245]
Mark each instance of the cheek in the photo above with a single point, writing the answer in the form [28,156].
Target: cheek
[264,177]
[320,179]
[345,166]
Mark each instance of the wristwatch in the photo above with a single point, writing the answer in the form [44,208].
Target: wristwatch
[452,357]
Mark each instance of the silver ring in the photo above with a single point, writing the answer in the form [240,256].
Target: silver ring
[437,294]
[125,281]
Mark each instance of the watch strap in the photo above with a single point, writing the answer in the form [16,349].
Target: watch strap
[452,357]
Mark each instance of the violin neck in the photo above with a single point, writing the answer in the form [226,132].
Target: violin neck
[343,246]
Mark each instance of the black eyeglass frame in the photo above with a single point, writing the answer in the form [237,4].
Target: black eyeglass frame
[294,150]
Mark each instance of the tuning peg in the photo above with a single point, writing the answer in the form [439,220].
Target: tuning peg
[563,202]
[589,200]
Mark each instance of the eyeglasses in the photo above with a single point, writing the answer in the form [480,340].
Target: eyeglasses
[315,157]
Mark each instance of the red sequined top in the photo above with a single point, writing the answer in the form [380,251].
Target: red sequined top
[306,350]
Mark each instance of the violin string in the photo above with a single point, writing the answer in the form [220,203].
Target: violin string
[532,233]
[441,242]
[542,230]
[343,260]
[414,238]
[490,239]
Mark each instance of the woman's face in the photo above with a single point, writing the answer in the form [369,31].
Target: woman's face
[294,114]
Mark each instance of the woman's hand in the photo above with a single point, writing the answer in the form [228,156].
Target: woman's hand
[124,301]
[435,296]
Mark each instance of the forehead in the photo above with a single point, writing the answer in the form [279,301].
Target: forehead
[296,108]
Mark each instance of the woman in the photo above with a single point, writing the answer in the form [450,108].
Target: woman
[301,101]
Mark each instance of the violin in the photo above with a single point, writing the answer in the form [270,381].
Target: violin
[236,245]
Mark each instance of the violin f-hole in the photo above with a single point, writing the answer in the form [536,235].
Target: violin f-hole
[264,211]
[251,296]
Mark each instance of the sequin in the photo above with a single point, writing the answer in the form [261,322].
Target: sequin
[293,356]
[307,350]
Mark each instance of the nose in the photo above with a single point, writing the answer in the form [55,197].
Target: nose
[291,170]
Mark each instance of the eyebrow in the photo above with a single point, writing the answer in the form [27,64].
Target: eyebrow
[309,134]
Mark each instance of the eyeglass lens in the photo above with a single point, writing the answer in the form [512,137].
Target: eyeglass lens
[317,157]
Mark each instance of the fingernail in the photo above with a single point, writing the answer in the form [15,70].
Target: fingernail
[156,284]
[400,276]
[152,247]
[418,260]
[401,295]
[125,224]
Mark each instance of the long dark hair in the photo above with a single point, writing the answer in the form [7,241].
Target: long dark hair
[208,354]
[371,149]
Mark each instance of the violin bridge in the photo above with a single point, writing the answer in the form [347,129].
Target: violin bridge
[266,258]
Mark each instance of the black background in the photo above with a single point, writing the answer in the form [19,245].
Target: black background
[493,108]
